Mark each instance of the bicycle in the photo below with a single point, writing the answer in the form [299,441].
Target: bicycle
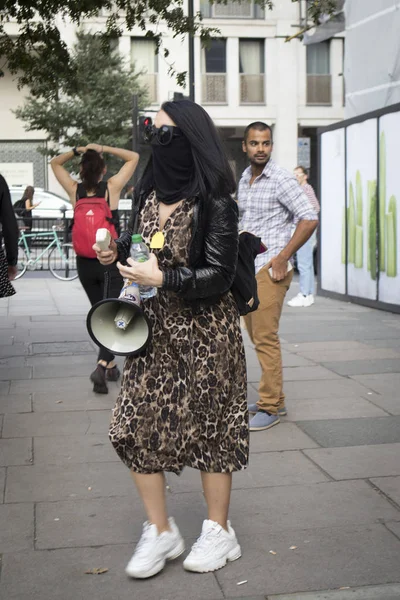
[61,260]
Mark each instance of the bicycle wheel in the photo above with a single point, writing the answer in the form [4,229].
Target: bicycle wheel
[22,263]
[62,265]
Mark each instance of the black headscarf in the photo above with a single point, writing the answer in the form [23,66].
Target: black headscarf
[173,169]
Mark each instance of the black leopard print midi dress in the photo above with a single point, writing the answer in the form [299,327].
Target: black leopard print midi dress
[183,401]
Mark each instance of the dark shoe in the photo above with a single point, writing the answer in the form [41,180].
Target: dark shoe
[98,378]
[113,374]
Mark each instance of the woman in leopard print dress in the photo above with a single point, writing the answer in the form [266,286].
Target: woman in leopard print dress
[183,400]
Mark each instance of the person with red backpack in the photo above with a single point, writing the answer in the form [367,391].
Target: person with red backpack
[95,205]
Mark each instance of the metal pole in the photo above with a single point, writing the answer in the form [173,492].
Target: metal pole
[135,129]
[191,53]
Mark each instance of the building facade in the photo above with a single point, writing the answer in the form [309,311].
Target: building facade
[378,86]
[249,73]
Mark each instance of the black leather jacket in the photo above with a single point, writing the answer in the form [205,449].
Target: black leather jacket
[213,251]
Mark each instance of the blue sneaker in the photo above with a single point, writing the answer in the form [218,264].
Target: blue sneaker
[263,420]
[282,412]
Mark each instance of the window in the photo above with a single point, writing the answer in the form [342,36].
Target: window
[247,9]
[214,72]
[145,59]
[318,74]
[251,69]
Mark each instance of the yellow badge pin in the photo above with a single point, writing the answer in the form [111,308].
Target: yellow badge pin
[157,241]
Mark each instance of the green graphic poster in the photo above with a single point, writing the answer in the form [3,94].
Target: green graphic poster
[361,172]
[389,195]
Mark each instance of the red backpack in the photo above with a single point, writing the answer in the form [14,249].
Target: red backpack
[90,214]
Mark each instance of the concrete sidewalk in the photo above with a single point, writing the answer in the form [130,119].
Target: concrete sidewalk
[318,509]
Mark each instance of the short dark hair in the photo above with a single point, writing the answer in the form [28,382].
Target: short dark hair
[305,171]
[258,126]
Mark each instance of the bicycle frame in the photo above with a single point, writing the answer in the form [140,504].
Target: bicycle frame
[55,242]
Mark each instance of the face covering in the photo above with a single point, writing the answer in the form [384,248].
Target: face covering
[173,169]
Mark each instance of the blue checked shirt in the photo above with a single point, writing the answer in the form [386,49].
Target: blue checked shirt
[270,207]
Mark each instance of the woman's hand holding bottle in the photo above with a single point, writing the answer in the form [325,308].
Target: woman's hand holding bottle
[144,273]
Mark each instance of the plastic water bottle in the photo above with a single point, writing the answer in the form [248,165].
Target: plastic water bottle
[141,253]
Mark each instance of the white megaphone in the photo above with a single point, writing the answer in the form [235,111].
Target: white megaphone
[119,324]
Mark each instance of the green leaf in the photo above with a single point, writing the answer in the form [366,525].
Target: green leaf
[38,56]
[92,106]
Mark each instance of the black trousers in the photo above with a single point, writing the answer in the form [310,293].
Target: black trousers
[91,275]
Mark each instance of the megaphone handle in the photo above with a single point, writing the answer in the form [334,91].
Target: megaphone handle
[106,290]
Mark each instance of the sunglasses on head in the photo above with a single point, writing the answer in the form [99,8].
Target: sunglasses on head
[163,134]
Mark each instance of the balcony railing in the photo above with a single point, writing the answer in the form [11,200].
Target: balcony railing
[150,81]
[319,90]
[252,89]
[246,9]
[214,88]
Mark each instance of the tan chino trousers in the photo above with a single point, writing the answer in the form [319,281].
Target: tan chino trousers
[262,326]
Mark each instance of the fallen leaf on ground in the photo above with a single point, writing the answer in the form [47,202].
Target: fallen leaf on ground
[292,547]
[96,571]
[272,552]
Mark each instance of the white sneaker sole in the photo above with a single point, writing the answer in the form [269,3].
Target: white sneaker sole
[234,554]
[136,574]
[254,428]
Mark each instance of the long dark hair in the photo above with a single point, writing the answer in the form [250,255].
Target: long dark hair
[92,167]
[213,173]
[28,193]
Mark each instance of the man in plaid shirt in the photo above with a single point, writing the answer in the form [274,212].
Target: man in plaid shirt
[270,202]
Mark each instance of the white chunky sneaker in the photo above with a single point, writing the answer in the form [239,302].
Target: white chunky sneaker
[310,299]
[298,300]
[154,549]
[214,548]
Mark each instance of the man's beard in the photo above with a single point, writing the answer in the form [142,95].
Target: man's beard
[260,162]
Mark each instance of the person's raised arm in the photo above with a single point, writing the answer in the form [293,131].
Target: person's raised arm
[118,181]
[63,177]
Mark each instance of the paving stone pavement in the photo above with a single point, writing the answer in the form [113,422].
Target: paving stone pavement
[317,511]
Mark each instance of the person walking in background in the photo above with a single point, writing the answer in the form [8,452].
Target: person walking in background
[23,208]
[91,272]
[270,201]
[305,254]
[8,233]
[129,192]
[183,400]
[27,216]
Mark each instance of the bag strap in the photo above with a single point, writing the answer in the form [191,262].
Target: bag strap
[102,190]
